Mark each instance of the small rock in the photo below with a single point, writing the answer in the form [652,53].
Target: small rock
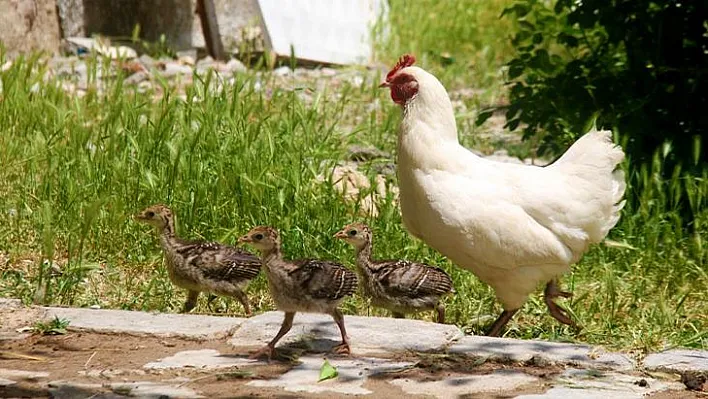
[236,66]
[186,60]
[328,72]
[95,307]
[361,153]
[204,64]
[695,380]
[136,78]
[171,69]
[385,169]
[147,61]
[191,53]
[642,383]
[282,71]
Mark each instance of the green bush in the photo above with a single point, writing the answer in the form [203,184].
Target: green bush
[638,67]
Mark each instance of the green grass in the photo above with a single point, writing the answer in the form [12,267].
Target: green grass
[229,156]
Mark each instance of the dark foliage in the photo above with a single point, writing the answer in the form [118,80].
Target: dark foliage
[640,67]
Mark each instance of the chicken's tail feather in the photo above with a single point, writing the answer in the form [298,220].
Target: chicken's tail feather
[595,159]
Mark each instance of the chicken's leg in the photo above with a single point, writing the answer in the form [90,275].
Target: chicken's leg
[556,311]
[269,350]
[441,313]
[501,321]
[342,348]
[191,301]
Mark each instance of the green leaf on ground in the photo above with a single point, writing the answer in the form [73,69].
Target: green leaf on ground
[327,371]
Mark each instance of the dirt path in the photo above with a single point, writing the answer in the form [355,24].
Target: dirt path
[92,358]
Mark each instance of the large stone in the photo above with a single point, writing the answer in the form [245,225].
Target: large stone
[23,375]
[367,334]
[590,384]
[678,360]
[466,386]
[29,25]
[522,351]
[204,359]
[353,373]
[143,323]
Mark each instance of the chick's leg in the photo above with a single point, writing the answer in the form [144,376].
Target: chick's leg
[556,311]
[342,348]
[441,313]
[191,301]
[269,349]
[243,298]
[501,321]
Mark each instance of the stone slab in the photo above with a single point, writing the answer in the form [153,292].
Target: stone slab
[142,389]
[205,359]
[319,333]
[678,360]
[591,384]
[353,373]
[23,375]
[4,382]
[143,323]
[525,350]
[148,389]
[466,386]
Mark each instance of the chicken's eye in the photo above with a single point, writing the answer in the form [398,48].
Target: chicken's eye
[258,236]
[151,214]
[352,233]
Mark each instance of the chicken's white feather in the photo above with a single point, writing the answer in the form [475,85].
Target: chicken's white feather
[514,226]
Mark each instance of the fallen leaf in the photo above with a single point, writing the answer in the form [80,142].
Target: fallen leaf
[327,371]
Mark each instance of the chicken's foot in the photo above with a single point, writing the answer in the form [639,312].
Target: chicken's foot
[554,309]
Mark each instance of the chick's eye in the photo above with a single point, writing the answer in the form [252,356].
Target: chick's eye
[352,233]
[258,236]
[150,214]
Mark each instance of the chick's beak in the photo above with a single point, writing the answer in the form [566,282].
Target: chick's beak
[244,239]
[340,234]
[385,84]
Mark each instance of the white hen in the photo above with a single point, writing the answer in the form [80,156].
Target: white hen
[514,226]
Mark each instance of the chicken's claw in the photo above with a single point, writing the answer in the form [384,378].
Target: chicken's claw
[267,350]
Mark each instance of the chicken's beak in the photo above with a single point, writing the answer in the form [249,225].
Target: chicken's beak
[340,234]
[385,84]
[244,239]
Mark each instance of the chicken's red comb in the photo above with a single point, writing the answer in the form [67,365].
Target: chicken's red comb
[405,61]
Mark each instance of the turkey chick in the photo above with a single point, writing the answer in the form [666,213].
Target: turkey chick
[308,285]
[200,266]
[400,286]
